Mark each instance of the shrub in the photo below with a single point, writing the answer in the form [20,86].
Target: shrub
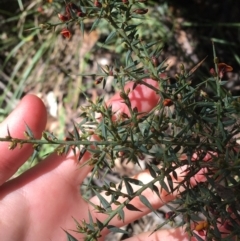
[193,126]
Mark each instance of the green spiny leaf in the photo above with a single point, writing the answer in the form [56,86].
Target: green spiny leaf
[121,214]
[132,208]
[111,37]
[102,200]
[128,187]
[116,229]
[69,236]
[144,200]
[29,131]
[134,181]
[154,189]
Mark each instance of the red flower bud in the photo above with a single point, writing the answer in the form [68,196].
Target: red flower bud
[230,209]
[110,73]
[121,153]
[228,226]
[63,18]
[40,10]
[66,33]
[201,226]
[169,214]
[155,61]
[125,1]
[124,115]
[98,80]
[167,102]
[140,156]
[68,139]
[201,232]
[135,109]
[223,68]
[123,95]
[212,72]
[141,11]
[81,14]
[74,7]
[97,4]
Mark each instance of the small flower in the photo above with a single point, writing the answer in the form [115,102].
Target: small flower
[40,10]
[212,72]
[135,109]
[141,11]
[46,26]
[98,80]
[63,18]
[169,214]
[222,68]
[124,115]
[167,102]
[71,10]
[155,61]
[110,73]
[74,7]
[66,33]
[97,4]
[201,226]
[123,95]
[125,1]
[81,14]
[228,226]
[230,209]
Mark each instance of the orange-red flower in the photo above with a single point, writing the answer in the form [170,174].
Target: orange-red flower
[73,7]
[167,102]
[201,227]
[141,11]
[63,18]
[98,80]
[97,4]
[66,33]
[169,214]
[222,68]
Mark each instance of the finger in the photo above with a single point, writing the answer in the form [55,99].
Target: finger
[30,111]
[141,97]
[174,234]
[153,198]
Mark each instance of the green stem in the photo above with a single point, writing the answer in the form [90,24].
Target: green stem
[97,143]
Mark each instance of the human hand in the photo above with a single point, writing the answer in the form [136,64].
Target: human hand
[44,200]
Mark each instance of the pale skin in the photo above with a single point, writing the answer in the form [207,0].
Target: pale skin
[40,203]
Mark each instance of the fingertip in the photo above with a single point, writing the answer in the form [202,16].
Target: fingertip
[31,112]
[37,112]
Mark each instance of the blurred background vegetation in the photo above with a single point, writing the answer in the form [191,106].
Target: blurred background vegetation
[42,62]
